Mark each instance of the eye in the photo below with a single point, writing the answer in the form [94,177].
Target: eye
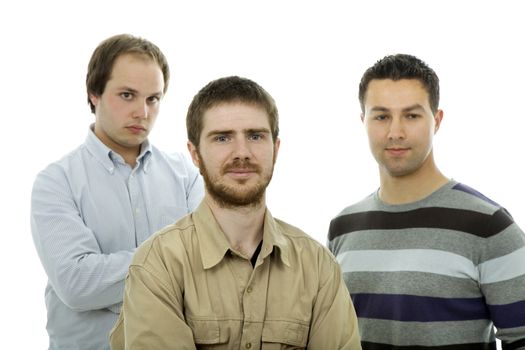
[381,117]
[221,138]
[153,99]
[256,136]
[126,95]
[412,116]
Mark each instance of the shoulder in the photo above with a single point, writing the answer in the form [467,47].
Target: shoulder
[303,244]
[62,168]
[339,224]
[176,161]
[168,244]
[366,204]
[468,198]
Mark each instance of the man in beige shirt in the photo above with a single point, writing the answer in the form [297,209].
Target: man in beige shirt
[230,276]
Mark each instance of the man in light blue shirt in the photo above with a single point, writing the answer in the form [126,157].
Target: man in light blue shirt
[91,209]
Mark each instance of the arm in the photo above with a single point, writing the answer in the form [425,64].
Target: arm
[334,322]
[195,187]
[152,315]
[502,279]
[82,276]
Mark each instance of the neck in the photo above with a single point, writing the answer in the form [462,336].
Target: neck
[411,187]
[243,226]
[129,154]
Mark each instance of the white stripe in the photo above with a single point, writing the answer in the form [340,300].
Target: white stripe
[503,268]
[417,260]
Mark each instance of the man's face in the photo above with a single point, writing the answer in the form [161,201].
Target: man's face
[126,111]
[400,125]
[236,154]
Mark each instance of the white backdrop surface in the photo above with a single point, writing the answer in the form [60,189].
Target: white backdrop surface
[309,55]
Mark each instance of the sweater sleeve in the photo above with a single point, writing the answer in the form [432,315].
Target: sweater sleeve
[502,281]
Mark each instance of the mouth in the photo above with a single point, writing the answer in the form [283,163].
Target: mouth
[136,129]
[241,172]
[396,151]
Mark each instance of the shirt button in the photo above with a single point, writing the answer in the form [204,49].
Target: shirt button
[249,290]
[248,345]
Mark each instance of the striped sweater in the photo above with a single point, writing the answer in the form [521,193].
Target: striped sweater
[441,273]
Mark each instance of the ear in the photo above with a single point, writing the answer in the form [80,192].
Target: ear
[94,99]
[276,146]
[438,117]
[362,118]
[194,154]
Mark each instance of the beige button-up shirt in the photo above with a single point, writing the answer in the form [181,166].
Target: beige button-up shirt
[188,289]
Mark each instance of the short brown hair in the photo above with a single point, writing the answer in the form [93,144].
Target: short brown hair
[101,63]
[228,90]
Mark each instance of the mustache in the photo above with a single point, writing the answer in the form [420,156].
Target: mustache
[240,164]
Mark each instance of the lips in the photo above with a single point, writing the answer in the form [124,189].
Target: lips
[136,128]
[397,151]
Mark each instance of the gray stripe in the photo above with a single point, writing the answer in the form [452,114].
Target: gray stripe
[412,283]
[425,333]
[421,238]
[505,292]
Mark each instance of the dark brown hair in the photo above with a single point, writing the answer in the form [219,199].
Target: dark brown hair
[402,66]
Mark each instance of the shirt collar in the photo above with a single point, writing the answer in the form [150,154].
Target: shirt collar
[214,245]
[108,157]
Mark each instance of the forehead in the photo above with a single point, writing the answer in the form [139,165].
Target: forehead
[395,93]
[236,115]
[137,71]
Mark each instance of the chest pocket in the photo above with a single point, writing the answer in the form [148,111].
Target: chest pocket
[207,333]
[284,335]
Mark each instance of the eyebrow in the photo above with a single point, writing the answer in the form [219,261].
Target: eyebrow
[135,91]
[416,106]
[244,131]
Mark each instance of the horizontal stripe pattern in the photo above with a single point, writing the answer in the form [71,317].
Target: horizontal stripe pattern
[434,274]
[420,260]
[413,283]
[471,346]
[503,268]
[410,308]
[425,334]
[509,315]
[462,220]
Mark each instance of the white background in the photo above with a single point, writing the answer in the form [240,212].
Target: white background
[308,55]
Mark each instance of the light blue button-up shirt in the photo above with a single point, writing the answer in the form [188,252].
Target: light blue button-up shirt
[89,212]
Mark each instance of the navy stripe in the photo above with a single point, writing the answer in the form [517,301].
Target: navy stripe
[470,190]
[410,308]
[468,221]
[470,346]
[508,315]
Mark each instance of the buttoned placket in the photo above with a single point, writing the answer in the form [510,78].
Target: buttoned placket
[254,289]
[136,199]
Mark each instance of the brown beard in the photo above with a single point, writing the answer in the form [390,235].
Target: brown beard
[233,197]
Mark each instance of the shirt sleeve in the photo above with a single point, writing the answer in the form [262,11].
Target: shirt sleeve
[82,276]
[195,187]
[152,315]
[502,279]
[334,322]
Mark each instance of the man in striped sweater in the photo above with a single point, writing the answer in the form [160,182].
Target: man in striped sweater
[430,263]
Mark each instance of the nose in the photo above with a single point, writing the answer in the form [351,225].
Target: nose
[141,110]
[396,129]
[242,149]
